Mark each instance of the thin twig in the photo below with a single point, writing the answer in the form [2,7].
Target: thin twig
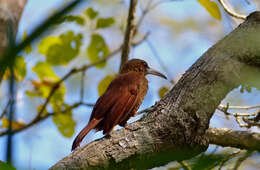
[45,116]
[184,165]
[82,86]
[130,29]
[230,12]
[239,107]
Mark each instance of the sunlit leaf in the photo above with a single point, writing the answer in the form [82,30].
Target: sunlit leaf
[103,84]
[47,42]
[61,50]
[97,50]
[15,125]
[27,49]
[70,18]
[212,8]
[105,22]
[162,91]
[91,13]
[64,123]
[44,70]
[6,166]
[20,67]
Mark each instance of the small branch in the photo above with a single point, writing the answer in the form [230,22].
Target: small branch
[248,122]
[238,107]
[231,138]
[231,13]
[130,29]
[45,116]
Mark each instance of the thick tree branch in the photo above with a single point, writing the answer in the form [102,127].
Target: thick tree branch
[179,121]
[129,34]
[232,138]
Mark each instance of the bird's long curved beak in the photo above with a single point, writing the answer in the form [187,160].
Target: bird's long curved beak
[156,73]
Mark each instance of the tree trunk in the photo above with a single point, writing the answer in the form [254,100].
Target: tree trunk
[176,128]
[9,10]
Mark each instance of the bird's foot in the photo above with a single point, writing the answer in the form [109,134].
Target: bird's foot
[108,136]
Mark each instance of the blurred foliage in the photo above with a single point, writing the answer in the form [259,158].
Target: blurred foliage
[5,166]
[212,8]
[70,18]
[64,121]
[162,91]
[105,22]
[91,13]
[97,50]
[19,69]
[103,84]
[62,49]
[15,125]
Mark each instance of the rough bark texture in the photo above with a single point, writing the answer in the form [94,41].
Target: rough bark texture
[237,139]
[176,128]
[9,10]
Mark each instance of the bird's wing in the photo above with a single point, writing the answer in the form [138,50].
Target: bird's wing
[119,99]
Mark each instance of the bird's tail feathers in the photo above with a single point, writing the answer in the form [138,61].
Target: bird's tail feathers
[91,125]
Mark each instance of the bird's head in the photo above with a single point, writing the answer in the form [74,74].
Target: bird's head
[140,66]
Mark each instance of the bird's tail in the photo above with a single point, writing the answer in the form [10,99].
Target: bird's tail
[91,125]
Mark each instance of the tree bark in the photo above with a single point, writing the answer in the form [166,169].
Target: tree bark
[9,10]
[176,128]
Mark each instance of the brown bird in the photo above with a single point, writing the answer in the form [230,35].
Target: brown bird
[121,100]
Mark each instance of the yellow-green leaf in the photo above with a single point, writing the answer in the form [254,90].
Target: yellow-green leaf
[47,42]
[44,70]
[103,84]
[162,91]
[91,13]
[105,22]
[20,67]
[65,123]
[27,49]
[97,50]
[212,8]
[61,50]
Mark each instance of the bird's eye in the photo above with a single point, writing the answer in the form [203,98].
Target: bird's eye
[145,64]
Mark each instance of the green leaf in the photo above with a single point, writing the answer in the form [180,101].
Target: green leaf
[162,91]
[64,122]
[70,18]
[6,166]
[105,22]
[20,67]
[91,13]
[104,83]
[212,8]
[61,50]
[97,50]
[27,49]
[44,71]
